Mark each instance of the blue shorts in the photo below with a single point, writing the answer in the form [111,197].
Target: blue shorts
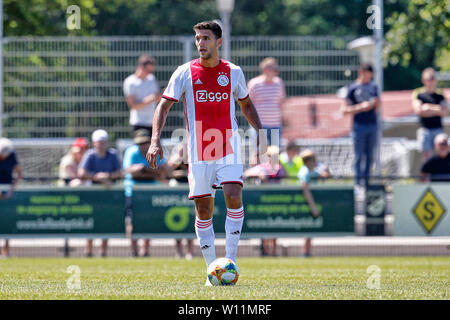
[425,137]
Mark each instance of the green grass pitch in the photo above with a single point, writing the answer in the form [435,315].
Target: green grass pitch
[260,278]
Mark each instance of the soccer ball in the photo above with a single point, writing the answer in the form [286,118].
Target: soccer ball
[223,272]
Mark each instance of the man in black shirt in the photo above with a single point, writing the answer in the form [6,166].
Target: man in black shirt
[437,168]
[430,105]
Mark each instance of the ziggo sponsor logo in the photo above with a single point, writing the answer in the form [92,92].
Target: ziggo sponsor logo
[205,96]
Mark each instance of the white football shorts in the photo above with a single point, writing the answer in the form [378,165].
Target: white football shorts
[207,176]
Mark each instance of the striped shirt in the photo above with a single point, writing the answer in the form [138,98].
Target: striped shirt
[267,98]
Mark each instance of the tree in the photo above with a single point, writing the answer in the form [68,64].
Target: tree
[417,38]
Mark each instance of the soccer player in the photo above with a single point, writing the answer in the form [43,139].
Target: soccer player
[209,86]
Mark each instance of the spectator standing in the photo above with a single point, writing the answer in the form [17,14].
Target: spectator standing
[362,102]
[267,91]
[142,94]
[9,166]
[430,105]
[138,171]
[68,167]
[437,168]
[100,165]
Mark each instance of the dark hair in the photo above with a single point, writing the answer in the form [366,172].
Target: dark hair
[366,67]
[210,25]
[146,59]
[292,146]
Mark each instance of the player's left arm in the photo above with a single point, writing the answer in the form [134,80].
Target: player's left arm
[250,113]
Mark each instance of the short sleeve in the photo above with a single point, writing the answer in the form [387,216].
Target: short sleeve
[14,161]
[176,86]
[375,91]
[85,161]
[427,166]
[127,158]
[349,96]
[126,88]
[116,161]
[241,88]
[303,175]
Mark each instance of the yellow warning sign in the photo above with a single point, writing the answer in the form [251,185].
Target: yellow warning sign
[429,210]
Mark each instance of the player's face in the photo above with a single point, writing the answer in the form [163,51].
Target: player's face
[207,44]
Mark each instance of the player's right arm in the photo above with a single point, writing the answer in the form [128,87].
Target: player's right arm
[173,92]
[159,120]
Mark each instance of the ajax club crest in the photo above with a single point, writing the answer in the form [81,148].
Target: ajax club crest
[223,80]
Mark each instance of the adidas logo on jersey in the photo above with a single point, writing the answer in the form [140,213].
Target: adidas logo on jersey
[198,81]
[205,247]
[236,232]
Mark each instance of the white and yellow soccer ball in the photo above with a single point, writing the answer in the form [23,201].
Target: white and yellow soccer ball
[223,272]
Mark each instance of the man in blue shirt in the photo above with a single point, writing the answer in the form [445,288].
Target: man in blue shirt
[362,102]
[137,171]
[100,165]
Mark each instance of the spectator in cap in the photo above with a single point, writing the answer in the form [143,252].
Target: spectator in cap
[437,168]
[68,167]
[100,165]
[138,171]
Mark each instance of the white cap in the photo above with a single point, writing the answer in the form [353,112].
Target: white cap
[6,147]
[99,135]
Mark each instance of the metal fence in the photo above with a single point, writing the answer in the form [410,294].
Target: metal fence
[69,86]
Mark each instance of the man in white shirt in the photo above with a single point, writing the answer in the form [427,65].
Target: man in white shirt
[142,94]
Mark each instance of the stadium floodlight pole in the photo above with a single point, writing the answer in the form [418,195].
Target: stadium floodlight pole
[225,7]
[378,35]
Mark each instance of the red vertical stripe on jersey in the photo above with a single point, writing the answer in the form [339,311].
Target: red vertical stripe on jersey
[212,94]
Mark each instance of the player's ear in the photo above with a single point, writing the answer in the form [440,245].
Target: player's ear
[219,42]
